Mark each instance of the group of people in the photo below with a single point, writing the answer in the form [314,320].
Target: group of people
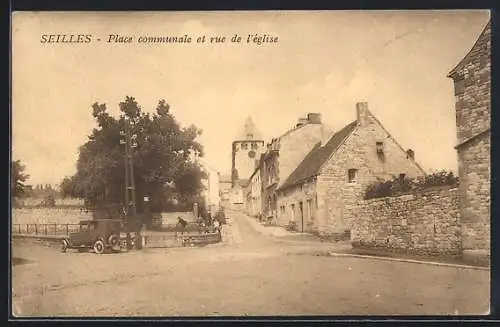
[207,222]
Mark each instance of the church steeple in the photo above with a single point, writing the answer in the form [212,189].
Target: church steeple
[249,131]
[246,151]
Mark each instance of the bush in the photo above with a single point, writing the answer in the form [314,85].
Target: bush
[292,226]
[400,186]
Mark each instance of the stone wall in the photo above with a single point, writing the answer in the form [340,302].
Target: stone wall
[75,215]
[337,197]
[49,215]
[426,223]
[474,189]
[170,218]
[32,202]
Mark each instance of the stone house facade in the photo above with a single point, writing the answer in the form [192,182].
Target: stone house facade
[322,192]
[283,155]
[253,191]
[472,83]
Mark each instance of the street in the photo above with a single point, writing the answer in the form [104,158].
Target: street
[252,274]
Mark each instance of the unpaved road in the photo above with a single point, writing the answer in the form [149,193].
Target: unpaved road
[252,276]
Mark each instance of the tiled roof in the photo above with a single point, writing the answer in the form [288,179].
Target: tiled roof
[311,164]
[481,46]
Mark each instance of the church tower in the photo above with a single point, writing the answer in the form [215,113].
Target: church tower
[246,152]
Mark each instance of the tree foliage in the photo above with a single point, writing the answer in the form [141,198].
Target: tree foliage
[18,179]
[163,166]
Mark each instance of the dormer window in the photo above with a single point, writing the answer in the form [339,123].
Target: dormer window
[352,175]
[250,136]
[380,150]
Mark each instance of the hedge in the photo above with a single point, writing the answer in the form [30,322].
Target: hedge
[400,186]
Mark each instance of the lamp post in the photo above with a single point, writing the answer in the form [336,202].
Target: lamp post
[130,142]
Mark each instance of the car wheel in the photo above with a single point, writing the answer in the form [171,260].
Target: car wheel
[113,240]
[64,246]
[99,247]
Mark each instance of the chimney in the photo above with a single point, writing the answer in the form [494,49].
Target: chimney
[314,118]
[362,113]
[410,154]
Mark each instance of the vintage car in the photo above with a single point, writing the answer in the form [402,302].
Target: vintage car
[100,235]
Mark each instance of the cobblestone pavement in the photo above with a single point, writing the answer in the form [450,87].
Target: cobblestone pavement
[251,274]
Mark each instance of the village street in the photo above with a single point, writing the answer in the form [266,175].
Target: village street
[252,274]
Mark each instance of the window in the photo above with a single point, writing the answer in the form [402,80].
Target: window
[249,136]
[352,175]
[402,176]
[380,147]
[293,212]
[380,151]
[244,146]
[254,146]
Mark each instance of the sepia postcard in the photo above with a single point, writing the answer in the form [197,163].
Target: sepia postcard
[250,164]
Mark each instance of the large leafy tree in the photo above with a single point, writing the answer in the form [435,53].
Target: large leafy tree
[163,165]
[18,178]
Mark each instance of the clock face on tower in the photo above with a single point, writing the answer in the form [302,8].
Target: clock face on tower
[251,154]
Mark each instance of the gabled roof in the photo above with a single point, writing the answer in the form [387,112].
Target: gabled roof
[477,49]
[312,163]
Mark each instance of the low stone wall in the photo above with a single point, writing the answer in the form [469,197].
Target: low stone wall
[170,218]
[49,215]
[425,223]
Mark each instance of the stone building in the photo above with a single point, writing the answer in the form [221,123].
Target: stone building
[246,150]
[283,155]
[253,193]
[472,81]
[321,193]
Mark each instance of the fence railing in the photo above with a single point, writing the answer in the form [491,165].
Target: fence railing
[188,237]
[55,229]
[45,229]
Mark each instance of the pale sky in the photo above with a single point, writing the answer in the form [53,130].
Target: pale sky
[323,62]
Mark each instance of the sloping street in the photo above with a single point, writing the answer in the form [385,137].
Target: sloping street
[250,274]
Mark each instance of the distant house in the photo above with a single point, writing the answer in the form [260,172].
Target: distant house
[320,194]
[225,189]
[253,193]
[472,80]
